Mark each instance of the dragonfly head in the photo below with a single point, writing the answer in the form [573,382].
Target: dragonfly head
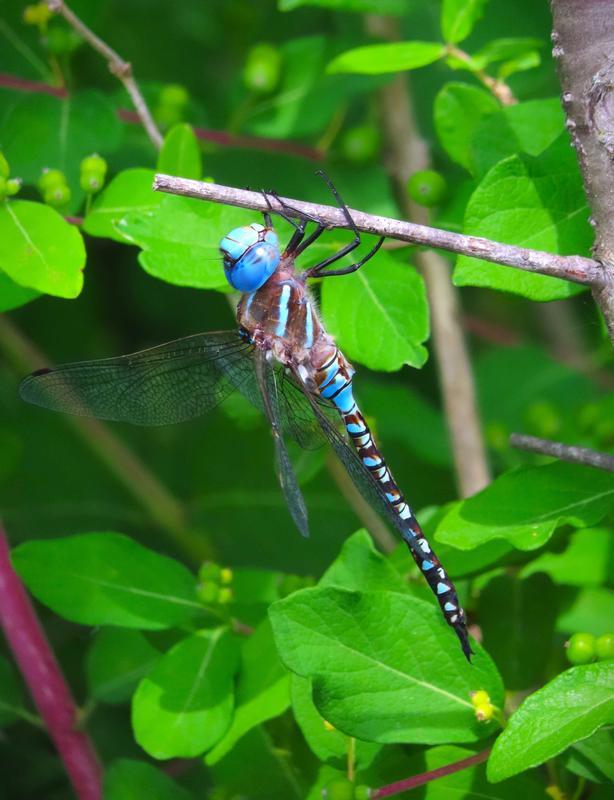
[251,256]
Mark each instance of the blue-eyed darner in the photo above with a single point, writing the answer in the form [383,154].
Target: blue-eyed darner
[281,359]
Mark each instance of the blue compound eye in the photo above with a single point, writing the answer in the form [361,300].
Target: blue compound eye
[251,256]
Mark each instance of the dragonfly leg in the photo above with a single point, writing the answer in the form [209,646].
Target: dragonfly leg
[316,271]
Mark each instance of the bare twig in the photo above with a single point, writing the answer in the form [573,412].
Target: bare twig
[566,452]
[43,676]
[117,66]
[571,268]
[426,777]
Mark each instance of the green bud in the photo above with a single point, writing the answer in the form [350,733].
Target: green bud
[339,789]
[361,143]
[225,595]
[50,179]
[94,163]
[174,95]
[604,646]
[61,40]
[581,648]
[57,196]
[13,185]
[262,68]
[209,571]
[4,167]
[362,792]
[208,593]
[427,187]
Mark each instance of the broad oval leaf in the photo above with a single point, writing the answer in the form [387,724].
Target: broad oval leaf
[184,705]
[385,667]
[526,505]
[43,131]
[263,690]
[180,240]
[12,295]
[458,109]
[127,779]
[379,314]
[40,250]
[329,744]
[116,662]
[531,202]
[130,192]
[375,59]
[107,579]
[180,153]
[566,710]
[360,567]
[458,18]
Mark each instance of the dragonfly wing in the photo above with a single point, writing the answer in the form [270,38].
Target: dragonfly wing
[169,383]
[268,382]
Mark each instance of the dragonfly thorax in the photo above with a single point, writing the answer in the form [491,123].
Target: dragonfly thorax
[251,256]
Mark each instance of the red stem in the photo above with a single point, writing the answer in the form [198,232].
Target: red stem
[43,676]
[426,777]
[219,137]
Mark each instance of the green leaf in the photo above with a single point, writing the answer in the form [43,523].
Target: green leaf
[520,64]
[263,690]
[566,710]
[504,50]
[458,18]
[458,110]
[360,6]
[531,202]
[384,666]
[330,746]
[42,131]
[116,662]
[12,295]
[180,240]
[107,579]
[127,779]
[525,506]
[375,59]
[529,127]
[11,695]
[180,153]
[359,566]
[379,314]
[591,611]
[40,250]
[184,705]
[517,620]
[585,562]
[131,191]
[592,758]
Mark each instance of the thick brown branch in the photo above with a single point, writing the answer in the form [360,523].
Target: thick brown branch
[571,268]
[566,452]
[118,67]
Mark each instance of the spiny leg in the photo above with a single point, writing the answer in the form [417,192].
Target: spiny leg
[317,269]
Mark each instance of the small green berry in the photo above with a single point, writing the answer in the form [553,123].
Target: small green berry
[208,593]
[581,648]
[173,94]
[361,143]
[37,14]
[362,792]
[50,179]
[57,196]
[339,789]
[225,596]
[604,646]
[94,163]
[226,575]
[209,571]
[484,712]
[262,68]
[61,40]
[4,167]
[427,187]
[13,185]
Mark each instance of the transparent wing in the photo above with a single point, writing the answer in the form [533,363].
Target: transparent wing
[366,484]
[268,384]
[169,383]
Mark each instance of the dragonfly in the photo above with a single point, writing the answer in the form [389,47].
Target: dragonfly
[281,358]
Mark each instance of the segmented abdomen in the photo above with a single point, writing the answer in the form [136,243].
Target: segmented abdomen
[334,379]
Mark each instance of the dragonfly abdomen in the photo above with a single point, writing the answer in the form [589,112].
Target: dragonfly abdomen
[334,379]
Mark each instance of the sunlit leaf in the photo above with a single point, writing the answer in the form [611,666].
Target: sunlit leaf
[180,153]
[375,59]
[458,18]
[130,192]
[566,710]
[458,109]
